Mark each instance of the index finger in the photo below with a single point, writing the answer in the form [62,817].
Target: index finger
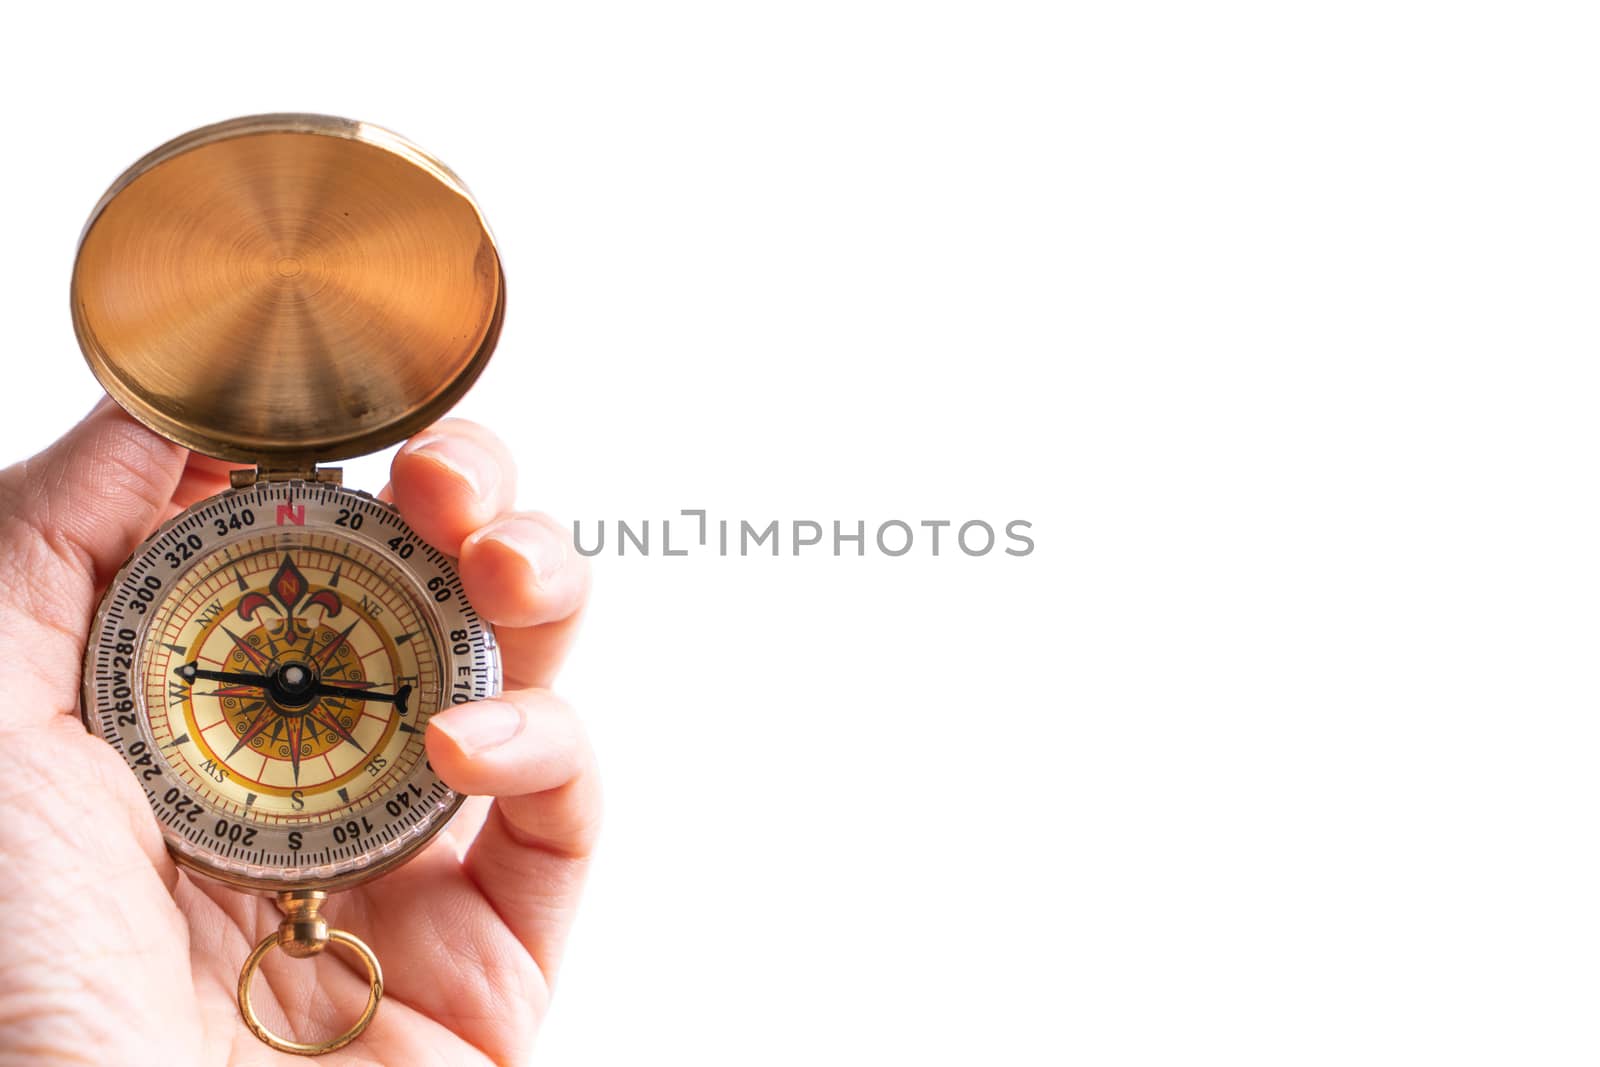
[455,483]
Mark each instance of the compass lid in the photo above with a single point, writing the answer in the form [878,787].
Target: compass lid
[287,289]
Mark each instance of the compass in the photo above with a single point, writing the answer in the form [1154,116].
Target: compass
[283,291]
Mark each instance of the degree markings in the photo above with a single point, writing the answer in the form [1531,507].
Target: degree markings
[321,851]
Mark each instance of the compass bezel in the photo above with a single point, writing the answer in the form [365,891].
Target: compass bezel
[479,666]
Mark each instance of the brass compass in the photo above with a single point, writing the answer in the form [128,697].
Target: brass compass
[284,291]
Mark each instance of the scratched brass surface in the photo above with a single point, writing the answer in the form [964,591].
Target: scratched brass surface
[287,289]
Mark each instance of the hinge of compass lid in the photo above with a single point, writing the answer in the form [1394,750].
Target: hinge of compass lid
[247,476]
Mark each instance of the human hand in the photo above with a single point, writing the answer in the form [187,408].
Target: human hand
[112,954]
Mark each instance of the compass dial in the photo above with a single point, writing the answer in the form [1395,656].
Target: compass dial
[267,664]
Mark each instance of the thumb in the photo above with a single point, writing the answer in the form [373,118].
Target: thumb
[70,516]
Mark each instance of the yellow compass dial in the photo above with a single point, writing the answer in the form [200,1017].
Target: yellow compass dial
[286,680]
[267,664]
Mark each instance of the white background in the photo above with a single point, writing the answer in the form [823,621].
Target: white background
[1278,321]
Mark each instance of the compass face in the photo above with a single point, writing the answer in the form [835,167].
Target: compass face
[267,664]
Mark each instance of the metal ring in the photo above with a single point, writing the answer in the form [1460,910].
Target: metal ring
[282,1045]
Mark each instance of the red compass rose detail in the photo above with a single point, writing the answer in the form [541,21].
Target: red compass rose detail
[287,587]
[293,688]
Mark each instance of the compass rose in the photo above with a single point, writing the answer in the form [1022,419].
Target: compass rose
[295,700]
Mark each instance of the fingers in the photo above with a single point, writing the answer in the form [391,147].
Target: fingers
[524,570]
[451,479]
[525,741]
[202,477]
[69,517]
[523,574]
[525,855]
[96,493]
[528,749]
[454,483]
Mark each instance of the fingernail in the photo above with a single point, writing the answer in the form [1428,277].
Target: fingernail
[474,465]
[479,726]
[542,547]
